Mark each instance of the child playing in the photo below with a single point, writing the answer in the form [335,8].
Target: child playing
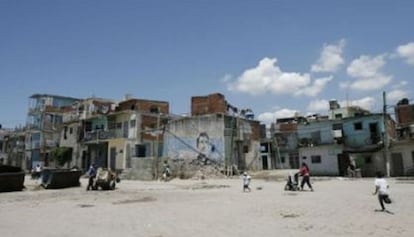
[246,182]
[381,188]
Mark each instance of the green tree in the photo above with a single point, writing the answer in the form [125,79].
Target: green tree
[62,155]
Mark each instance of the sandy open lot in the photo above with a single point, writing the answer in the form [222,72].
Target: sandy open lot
[213,208]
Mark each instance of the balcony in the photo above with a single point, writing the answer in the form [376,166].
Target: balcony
[97,135]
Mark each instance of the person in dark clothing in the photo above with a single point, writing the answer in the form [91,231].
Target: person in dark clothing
[92,175]
[305,173]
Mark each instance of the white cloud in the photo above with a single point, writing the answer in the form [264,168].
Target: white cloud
[366,71]
[365,66]
[270,117]
[318,105]
[267,77]
[344,84]
[227,78]
[400,84]
[372,83]
[331,58]
[396,95]
[365,103]
[407,52]
[315,88]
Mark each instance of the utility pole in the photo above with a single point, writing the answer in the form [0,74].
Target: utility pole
[156,146]
[385,137]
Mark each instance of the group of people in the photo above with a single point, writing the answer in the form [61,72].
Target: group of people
[380,183]
[303,171]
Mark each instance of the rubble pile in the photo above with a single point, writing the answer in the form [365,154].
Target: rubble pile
[198,169]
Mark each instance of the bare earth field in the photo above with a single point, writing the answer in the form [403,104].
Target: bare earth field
[213,208]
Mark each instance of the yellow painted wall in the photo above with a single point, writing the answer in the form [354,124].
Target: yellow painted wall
[119,143]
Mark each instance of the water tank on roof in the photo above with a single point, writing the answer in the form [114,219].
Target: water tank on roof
[404,101]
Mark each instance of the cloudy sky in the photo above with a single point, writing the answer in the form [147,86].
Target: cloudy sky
[276,57]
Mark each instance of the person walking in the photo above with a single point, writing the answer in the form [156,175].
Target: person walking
[92,175]
[305,173]
[166,171]
[381,188]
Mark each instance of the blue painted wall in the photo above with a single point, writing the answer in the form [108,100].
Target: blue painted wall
[361,137]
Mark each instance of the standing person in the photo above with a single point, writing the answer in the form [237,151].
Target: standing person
[38,171]
[166,171]
[246,182]
[381,188]
[305,173]
[92,175]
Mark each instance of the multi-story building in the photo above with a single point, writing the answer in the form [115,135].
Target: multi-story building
[329,143]
[402,148]
[43,126]
[285,140]
[319,145]
[365,141]
[114,135]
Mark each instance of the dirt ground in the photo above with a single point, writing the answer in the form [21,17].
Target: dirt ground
[213,208]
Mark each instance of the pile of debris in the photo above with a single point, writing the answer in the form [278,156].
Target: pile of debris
[200,168]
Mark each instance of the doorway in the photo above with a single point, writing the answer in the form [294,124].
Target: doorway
[397,164]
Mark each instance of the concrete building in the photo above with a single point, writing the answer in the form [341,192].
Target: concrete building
[217,132]
[338,112]
[115,135]
[12,150]
[364,141]
[402,148]
[284,134]
[320,147]
[43,126]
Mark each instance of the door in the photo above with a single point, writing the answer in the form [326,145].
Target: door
[343,163]
[113,158]
[375,138]
[264,162]
[397,167]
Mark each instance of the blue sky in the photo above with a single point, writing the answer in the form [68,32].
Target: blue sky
[275,57]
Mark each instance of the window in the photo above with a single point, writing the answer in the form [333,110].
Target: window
[358,126]
[264,147]
[245,149]
[154,110]
[282,159]
[337,126]
[65,130]
[132,123]
[338,116]
[316,159]
[412,156]
[70,130]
